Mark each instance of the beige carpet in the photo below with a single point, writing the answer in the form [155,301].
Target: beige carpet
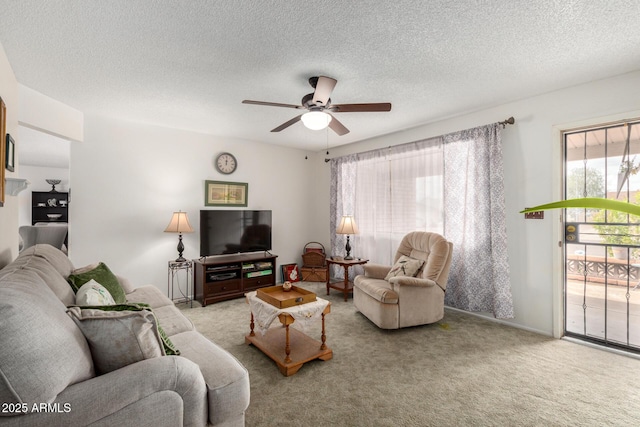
[461,371]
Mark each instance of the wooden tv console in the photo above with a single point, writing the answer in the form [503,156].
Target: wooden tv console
[222,277]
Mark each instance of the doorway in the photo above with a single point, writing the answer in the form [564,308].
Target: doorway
[602,247]
[43,161]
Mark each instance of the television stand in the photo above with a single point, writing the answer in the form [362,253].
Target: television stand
[223,277]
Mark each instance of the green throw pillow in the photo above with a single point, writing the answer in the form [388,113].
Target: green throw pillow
[169,348]
[102,275]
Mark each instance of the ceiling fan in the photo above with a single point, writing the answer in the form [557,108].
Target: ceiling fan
[319,107]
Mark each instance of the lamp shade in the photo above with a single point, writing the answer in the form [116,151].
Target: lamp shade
[179,223]
[316,120]
[347,225]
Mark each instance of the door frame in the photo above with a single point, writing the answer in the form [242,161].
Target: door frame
[557,181]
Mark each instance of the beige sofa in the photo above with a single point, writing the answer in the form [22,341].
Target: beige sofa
[402,300]
[47,374]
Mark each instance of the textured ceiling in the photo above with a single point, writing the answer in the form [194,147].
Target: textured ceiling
[189,64]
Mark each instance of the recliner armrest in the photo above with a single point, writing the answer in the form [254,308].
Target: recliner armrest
[412,281]
[376,271]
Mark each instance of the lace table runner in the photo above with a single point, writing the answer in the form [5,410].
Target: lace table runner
[304,314]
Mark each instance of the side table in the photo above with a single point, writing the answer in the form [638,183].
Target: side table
[175,267]
[286,346]
[345,286]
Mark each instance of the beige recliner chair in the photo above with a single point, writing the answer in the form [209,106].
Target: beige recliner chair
[413,291]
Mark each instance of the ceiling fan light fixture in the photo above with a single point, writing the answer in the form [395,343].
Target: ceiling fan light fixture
[316,120]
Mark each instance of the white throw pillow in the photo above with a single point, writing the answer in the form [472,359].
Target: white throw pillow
[93,293]
[405,266]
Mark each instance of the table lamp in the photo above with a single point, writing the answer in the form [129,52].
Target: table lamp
[347,226]
[179,224]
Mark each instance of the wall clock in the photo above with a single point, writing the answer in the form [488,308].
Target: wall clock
[226,163]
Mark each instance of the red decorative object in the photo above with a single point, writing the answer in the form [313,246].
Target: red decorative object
[290,273]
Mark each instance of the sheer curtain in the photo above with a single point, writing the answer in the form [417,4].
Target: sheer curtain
[390,192]
[395,190]
[451,185]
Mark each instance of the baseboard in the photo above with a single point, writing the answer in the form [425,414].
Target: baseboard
[502,322]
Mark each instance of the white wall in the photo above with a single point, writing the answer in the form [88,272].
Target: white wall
[127,179]
[532,157]
[48,115]
[9,213]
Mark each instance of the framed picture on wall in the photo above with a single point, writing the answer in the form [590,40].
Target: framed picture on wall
[223,193]
[290,273]
[10,155]
[3,148]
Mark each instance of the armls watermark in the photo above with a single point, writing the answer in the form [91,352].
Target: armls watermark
[26,408]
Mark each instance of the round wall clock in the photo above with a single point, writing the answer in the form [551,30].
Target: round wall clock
[226,163]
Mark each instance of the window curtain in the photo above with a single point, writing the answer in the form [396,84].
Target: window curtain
[343,192]
[390,192]
[451,185]
[475,222]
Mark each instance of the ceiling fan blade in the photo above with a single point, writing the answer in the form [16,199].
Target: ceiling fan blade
[354,108]
[270,104]
[287,124]
[338,127]
[324,87]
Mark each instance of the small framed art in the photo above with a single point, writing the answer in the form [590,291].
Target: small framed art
[10,156]
[290,273]
[3,147]
[223,193]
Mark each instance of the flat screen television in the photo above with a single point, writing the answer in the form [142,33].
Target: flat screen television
[234,231]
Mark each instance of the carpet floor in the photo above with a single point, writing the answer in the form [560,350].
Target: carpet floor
[461,371]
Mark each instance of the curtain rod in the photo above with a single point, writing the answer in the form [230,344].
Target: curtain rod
[509,121]
[504,124]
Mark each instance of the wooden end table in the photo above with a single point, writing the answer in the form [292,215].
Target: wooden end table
[345,286]
[289,347]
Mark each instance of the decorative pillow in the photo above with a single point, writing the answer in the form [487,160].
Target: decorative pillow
[118,338]
[405,266]
[93,293]
[168,346]
[101,274]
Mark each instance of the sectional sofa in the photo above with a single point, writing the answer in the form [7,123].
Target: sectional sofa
[49,375]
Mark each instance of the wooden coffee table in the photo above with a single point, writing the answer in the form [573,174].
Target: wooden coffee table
[346,286]
[288,347]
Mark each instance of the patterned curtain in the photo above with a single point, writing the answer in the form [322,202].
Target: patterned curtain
[474,213]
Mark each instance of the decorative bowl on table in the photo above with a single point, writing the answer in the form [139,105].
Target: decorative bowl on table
[54,216]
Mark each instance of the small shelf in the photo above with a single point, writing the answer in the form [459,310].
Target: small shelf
[45,203]
[16,185]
